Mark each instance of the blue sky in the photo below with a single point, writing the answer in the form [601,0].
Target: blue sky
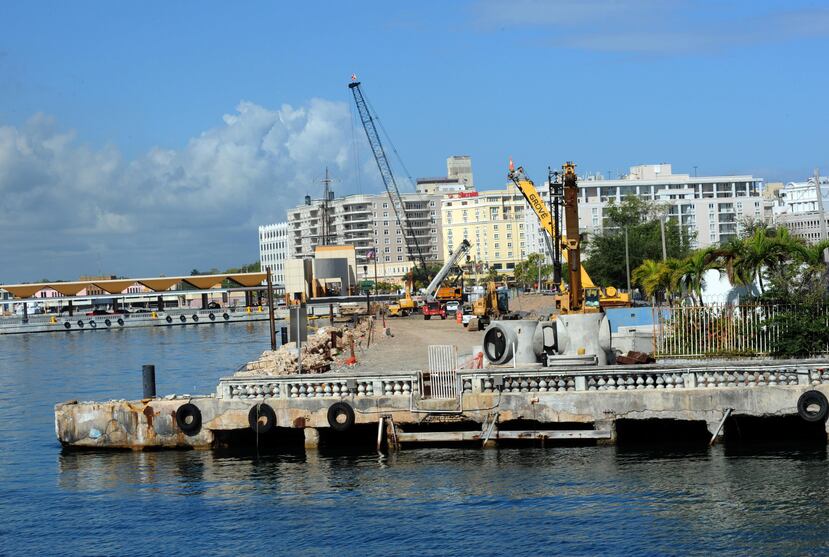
[117,100]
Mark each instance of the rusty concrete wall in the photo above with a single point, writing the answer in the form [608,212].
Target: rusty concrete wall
[152,424]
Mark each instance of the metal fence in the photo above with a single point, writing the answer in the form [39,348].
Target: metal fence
[718,329]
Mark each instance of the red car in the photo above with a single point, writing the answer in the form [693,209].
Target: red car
[434,308]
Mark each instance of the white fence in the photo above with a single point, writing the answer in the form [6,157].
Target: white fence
[718,329]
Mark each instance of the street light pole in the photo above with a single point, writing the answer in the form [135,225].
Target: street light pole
[821,209]
[627,259]
[662,231]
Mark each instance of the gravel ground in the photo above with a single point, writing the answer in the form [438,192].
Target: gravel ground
[407,349]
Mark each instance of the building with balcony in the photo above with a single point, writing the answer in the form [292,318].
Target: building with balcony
[801,197]
[492,221]
[273,250]
[368,223]
[712,207]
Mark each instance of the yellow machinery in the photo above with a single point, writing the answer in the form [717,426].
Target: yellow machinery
[583,295]
[487,307]
[405,305]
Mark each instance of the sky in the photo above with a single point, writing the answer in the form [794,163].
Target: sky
[147,138]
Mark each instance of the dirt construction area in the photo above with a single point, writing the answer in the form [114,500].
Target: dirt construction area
[407,349]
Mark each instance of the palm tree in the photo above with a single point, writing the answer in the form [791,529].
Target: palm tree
[649,275]
[730,261]
[811,254]
[690,275]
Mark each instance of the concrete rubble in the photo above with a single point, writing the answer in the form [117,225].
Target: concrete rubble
[324,349]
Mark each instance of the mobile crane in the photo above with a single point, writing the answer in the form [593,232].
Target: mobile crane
[582,295]
[431,305]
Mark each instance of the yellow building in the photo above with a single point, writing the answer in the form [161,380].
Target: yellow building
[492,221]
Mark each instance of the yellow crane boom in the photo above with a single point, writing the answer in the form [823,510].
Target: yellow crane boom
[527,188]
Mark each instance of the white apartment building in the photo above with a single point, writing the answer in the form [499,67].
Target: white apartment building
[798,208]
[801,197]
[273,250]
[712,206]
[368,223]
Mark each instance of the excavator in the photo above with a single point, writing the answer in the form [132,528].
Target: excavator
[582,296]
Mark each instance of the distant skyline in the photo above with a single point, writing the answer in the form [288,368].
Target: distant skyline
[139,139]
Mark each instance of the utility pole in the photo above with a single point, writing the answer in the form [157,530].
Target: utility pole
[325,229]
[627,259]
[662,231]
[820,207]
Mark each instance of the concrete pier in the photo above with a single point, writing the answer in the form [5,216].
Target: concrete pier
[491,405]
[168,318]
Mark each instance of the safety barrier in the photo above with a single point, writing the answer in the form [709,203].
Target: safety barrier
[514,381]
[720,329]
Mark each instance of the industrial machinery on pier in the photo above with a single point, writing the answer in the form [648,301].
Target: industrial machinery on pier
[582,295]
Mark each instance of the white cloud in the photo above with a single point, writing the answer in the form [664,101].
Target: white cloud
[65,206]
[652,26]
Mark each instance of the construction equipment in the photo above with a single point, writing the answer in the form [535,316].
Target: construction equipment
[582,295]
[406,305]
[451,262]
[433,308]
[412,246]
[492,305]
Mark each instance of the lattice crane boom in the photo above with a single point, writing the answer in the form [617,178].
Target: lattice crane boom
[412,246]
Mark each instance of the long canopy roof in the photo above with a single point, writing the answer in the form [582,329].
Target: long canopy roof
[117,286]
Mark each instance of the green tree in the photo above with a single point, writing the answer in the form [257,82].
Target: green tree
[605,260]
[527,272]
[689,276]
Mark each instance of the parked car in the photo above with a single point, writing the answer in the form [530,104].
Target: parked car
[452,306]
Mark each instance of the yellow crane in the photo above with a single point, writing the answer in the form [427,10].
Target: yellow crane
[584,295]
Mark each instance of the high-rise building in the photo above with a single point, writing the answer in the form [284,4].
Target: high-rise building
[458,178]
[459,167]
[799,211]
[273,249]
[492,221]
[367,222]
[711,206]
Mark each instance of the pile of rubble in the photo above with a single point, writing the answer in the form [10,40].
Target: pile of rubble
[319,353]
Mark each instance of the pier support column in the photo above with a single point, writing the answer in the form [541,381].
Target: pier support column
[312,438]
[716,432]
[606,425]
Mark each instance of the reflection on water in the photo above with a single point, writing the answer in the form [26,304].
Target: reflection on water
[525,501]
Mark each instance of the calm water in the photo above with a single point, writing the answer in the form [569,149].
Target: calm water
[573,501]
